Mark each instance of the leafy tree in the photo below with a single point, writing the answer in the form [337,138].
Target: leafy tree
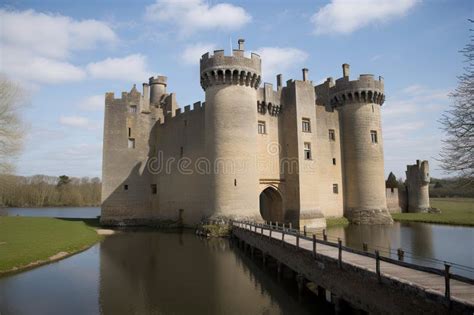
[63,180]
[457,155]
[438,185]
[11,129]
[391,181]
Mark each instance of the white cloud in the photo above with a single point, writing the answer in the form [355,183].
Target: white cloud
[346,16]
[50,35]
[36,47]
[192,53]
[78,122]
[277,60]
[92,103]
[130,68]
[195,15]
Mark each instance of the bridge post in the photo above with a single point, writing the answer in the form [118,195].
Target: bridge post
[314,245]
[447,286]
[283,235]
[325,237]
[400,254]
[279,267]
[339,245]
[304,230]
[290,227]
[300,282]
[377,265]
[298,239]
[270,233]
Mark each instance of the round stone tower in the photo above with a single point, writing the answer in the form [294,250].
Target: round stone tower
[157,88]
[230,84]
[358,103]
[418,180]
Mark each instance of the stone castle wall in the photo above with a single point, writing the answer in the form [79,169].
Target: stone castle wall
[343,174]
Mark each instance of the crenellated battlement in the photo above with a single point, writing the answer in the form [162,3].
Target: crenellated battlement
[236,69]
[179,113]
[365,89]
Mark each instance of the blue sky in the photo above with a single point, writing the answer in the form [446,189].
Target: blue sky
[66,55]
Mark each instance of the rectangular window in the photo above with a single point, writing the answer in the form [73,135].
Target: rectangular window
[131,143]
[132,109]
[333,161]
[154,189]
[262,128]
[373,136]
[332,135]
[306,125]
[125,187]
[181,152]
[335,189]
[307,151]
[129,132]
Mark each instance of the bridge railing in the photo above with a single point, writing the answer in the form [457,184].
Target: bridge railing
[258,228]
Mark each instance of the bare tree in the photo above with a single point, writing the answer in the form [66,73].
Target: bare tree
[457,155]
[11,131]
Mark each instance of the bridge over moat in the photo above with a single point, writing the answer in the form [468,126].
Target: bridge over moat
[363,280]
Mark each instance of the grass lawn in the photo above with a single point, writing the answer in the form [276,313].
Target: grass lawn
[27,241]
[454,211]
[332,222]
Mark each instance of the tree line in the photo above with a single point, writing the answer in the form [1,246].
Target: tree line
[49,191]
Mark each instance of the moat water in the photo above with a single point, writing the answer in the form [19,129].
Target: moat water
[148,271]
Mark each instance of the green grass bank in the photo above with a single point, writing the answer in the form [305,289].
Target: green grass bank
[454,211]
[30,241]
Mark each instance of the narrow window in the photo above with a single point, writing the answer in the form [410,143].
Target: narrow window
[333,161]
[129,132]
[332,135]
[132,109]
[306,125]
[125,187]
[131,143]
[235,182]
[154,189]
[307,151]
[262,127]
[335,189]
[373,136]
[181,152]
[372,108]
[391,189]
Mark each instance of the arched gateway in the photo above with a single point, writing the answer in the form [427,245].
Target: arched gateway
[271,205]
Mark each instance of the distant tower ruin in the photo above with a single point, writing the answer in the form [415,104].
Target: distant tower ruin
[418,180]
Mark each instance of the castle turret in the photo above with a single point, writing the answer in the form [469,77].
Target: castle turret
[359,103]
[230,84]
[418,180]
[157,88]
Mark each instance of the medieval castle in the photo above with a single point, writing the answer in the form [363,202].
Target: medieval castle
[297,153]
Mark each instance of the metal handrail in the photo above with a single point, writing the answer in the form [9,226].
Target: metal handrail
[297,233]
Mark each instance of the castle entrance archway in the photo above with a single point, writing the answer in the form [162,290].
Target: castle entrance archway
[271,205]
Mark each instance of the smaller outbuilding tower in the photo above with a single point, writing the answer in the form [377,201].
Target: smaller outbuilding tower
[418,180]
